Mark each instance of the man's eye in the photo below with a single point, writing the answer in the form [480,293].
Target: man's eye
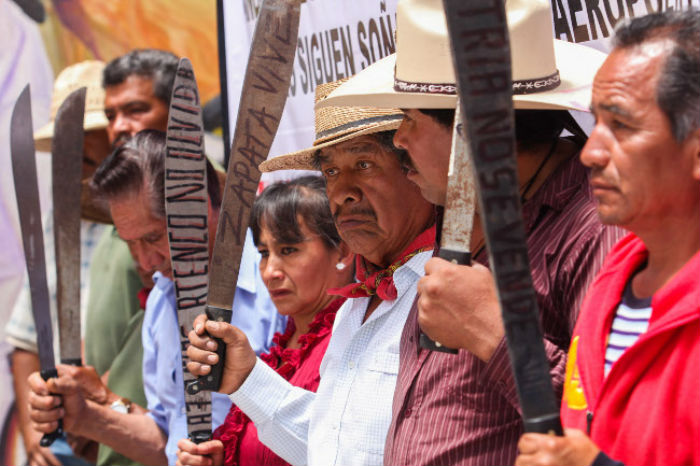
[330,171]
[288,250]
[363,164]
[152,239]
[109,116]
[617,124]
[264,252]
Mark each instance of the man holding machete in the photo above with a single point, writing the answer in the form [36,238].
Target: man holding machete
[631,382]
[131,180]
[383,218]
[137,87]
[20,329]
[463,409]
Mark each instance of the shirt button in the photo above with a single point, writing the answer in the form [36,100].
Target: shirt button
[407,412]
[351,364]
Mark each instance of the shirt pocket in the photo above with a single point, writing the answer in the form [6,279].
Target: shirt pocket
[372,400]
[386,362]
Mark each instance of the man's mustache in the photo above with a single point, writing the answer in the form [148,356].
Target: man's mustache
[358,211]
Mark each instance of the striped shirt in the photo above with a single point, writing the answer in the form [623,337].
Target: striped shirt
[631,320]
[459,410]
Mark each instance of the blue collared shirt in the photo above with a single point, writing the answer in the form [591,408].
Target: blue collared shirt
[162,379]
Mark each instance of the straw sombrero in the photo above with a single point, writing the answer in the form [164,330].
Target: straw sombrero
[88,74]
[335,125]
[548,74]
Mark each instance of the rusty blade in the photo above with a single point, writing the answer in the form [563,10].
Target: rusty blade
[458,219]
[66,167]
[461,196]
[263,96]
[27,193]
[265,87]
[26,190]
[187,222]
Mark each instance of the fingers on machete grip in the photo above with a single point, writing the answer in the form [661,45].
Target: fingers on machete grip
[212,381]
[200,436]
[48,439]
[456,257]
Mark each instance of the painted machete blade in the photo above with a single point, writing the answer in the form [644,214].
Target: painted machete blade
[263,96]
[27,193]
[66,167]
[484,81]
[187,218]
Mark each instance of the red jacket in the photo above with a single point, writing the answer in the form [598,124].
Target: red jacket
[647,410]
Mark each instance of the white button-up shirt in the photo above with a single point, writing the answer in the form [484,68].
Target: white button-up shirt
[346,421]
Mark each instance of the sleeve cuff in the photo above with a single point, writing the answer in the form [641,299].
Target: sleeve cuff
[261,394]
[604,460]
[22,344]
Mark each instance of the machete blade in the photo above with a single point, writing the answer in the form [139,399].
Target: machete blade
[27,193]
[484,81]
[186,212]
[67,157]
[263,96]
[459,212]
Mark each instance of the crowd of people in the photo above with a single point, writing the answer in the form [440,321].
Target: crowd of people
[323,363]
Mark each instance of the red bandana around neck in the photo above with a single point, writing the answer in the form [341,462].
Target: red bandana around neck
[381,282]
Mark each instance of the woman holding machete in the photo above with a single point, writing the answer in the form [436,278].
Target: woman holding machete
[302,257]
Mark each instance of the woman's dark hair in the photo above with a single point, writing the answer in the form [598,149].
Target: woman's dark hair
[140,164]
[282,205]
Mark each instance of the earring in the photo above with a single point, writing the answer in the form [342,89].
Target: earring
[340,266]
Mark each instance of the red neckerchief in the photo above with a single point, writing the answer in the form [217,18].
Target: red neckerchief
[381,282]
[285,361]
[142,295]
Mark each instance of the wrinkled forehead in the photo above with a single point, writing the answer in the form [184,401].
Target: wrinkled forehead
[366,146]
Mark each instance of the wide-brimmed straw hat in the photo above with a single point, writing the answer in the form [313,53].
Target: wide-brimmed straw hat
[335,125]
[88,74]
[547,73]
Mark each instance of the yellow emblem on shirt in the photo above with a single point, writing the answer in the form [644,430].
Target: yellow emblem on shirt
[573,390]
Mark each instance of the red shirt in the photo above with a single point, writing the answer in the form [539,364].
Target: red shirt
[300,367]
[647,410]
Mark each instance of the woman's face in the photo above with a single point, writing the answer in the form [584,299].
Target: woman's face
[297,275]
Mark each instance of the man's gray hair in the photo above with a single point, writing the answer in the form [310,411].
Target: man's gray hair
[139,166]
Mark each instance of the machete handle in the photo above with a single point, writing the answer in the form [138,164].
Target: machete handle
[200,436]
[48,439]
[212,381]
[549,424]
[456,257]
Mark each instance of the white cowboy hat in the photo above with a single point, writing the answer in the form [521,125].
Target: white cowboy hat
[335,125]
[547,73]
[88,74]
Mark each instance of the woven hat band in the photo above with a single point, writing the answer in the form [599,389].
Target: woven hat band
[520,87]
[355,126]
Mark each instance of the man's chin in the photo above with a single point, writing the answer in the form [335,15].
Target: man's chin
[433,195]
